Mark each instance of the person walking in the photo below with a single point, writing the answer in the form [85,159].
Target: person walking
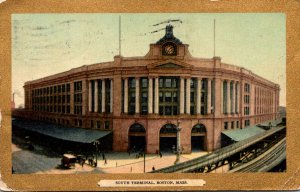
[153,168]
[105,161]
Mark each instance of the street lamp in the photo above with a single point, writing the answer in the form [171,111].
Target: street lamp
[96,144]
[178,150]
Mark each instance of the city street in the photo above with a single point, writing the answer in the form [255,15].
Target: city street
[25,161]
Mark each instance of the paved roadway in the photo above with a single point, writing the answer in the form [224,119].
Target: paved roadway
[25,161]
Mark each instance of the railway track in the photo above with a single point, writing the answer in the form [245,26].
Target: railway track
[218,154]
[265,161]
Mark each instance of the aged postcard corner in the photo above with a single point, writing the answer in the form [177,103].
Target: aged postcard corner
[176,96]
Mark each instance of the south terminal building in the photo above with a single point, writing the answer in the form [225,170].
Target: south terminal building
[142,100]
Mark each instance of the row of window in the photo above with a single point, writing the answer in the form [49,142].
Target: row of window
[51,90]
[232,124]
[99,124]
[51,99]
[168,95]
[235,124]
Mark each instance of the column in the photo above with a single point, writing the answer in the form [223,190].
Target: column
[156,98]
[84,96]
[150,96]
[199,88]
[103,96]
[208,96]
[188,95]
[126,95]
[222,97]
[137,95]
[218,96]
[90,96]
[181,95]
[233,97]
[111,95]
[228,97]
[96,96]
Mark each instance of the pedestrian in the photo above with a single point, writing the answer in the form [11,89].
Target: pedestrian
[153,168]
[82,162]
[160,154]
[103,156]
[105,161]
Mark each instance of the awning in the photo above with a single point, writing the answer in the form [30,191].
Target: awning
[242,134]
[62,132]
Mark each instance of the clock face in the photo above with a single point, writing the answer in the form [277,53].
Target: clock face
[169,50]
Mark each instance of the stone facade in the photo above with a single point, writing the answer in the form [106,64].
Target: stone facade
[165,86]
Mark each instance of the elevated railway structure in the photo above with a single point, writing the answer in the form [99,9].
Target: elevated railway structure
[270,144]
[266,161]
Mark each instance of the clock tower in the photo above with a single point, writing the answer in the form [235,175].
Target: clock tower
[169,43]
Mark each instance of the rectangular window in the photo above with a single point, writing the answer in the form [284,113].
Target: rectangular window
[161,110]
[192,83]
[132,97]
[68,87]
[63,88]
[161,98]
[168,97]
[192,110]
[161,83]
[174,83]
[237,124]
[225,125]
[144,97]
[232,124]
[144,110]
[175,110]
[168,110]
[98,124]
[192,97]
[131,83]
[106,125]
[168,83]
[144,83]
[175,98]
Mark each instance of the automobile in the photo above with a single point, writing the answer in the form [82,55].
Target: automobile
[68,161]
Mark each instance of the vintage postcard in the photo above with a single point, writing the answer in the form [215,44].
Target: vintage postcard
[167,99]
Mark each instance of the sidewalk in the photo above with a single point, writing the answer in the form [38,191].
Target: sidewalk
[123,163]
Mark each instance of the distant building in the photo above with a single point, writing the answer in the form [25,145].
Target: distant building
[141,99]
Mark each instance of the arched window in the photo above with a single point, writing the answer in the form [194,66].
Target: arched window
[199,128]
[168,128]
[137,128]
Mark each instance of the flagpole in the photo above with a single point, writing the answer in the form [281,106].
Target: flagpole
[214,37]
[120,35]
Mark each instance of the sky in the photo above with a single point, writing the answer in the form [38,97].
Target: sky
[46,44]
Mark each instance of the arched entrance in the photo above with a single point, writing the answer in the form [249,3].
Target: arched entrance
[198,137]
[137,137]
[167,138]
